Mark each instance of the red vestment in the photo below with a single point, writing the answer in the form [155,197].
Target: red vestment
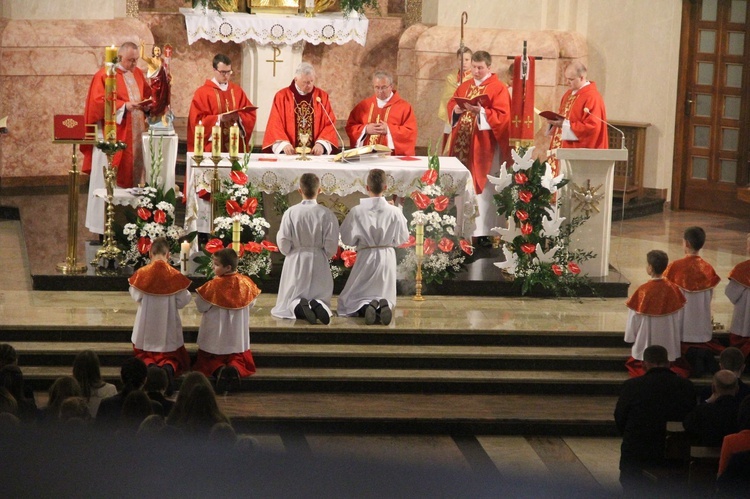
[232,291]
[282,122]
[692,273]
[476,148]
[131,87]
[588,127]
[208,102]
[397,114]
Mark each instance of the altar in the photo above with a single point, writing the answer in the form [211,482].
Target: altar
[280,174]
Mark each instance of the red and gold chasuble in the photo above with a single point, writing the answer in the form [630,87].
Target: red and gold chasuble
[462,146]
[208,102]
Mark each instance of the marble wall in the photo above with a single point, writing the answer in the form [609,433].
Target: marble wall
[68,9]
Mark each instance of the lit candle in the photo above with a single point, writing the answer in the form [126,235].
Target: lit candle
[236,233]
[419,246]
[216,140]
[184,254]
[110,54]
[198,140]
[234,141]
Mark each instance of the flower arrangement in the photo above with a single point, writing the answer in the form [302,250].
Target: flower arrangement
[358,6]
[343,260]
[443,250]
[239,203]
[535,242]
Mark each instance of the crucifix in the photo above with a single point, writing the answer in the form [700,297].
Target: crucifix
[276,53]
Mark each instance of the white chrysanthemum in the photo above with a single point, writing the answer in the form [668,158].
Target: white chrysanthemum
[129,229]
[167,208]
[432,190]
[174,232]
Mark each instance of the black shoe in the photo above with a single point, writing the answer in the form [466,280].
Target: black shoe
[385,312]
[320,312]
[306,311]
[371,313]
[232,377]
[221,380]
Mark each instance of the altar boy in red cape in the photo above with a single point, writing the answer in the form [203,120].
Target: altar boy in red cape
[224,338]
[654,316]
[738,292]
[211,101]
[301,108]
[697,280]
[481,134]
[161,291]
[384,118]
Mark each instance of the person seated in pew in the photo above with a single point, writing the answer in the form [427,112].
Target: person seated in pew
[711,421]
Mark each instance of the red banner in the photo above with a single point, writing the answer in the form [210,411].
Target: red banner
[522,103]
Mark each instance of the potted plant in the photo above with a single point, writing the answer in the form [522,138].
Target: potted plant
[356,8]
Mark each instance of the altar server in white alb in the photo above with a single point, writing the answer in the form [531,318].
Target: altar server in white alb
[738,292]
[375,227]
[308,237]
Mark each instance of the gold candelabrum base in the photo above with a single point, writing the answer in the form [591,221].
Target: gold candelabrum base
[109,256]
[418,296]
[71,265]
[215,190]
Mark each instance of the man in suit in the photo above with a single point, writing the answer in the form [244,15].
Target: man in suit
[645,405]
[711,421]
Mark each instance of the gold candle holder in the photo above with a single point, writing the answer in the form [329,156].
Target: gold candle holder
[419,250]
[215,190]
[236,235]
[70,265]
[109,255]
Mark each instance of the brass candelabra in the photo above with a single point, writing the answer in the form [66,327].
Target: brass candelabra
[109,256]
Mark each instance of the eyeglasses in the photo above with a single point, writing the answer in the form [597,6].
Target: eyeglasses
[384,87]
[224,73]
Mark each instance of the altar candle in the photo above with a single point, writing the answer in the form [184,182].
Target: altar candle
[310,4]
[110,54]
[184,253]
[234,141]
[236,233]
[419,244]
[198,140]
[216,139]
[110,94]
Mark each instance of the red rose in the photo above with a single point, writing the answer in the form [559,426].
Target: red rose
[250,206]
[238,177]
[160,217]
[214,245]
[349,257]
[528,248]
[420,200]
[411,242]
[557,269]
[253,247]
[526,229]
[522,215]
[525,196]
[143,213]
[445,245]
[520,178]
[429,246]
[268,245]
[429,177]
[466,246]
[441,203]
[574,269]
[233,207]
[239,248]
[144,245]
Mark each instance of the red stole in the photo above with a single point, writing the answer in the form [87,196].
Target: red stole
[522,104]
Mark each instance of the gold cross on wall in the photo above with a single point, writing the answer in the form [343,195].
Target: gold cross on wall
[276,53]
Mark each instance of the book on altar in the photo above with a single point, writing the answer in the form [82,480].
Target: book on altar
[374,150]
[246,108]
[551,115]
[4,125]
[478,100]
[73,127]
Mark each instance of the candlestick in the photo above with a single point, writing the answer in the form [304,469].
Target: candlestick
[198,139]
[236,233]
[234,141]
[216,141]
[419,248]
[110,94]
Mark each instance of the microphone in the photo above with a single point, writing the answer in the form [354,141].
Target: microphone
[622,134]
[341,140]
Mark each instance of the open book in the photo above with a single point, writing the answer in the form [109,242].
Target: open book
[246,108]
[479,100]
[551,115]
[362,152]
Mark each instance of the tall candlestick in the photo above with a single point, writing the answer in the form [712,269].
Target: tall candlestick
[236,235]
[198,139]
[110,94]
[234,141]
[419,246]
[216,141]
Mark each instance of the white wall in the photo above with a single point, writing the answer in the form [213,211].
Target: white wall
[62,9]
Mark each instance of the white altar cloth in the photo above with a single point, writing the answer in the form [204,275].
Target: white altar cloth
[280,174]
[274,29]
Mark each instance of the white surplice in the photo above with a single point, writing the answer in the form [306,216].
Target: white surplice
[158,327]
[696,321]
[645,330]
[223,331]
[308,236]
[739,295]
[375,228]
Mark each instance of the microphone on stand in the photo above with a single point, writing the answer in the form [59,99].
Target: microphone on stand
[341,140]
[622,134]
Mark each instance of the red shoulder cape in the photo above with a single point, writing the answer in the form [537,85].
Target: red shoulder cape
[656,297]
[692,273]
[741,273]
[159,278]
[233,291]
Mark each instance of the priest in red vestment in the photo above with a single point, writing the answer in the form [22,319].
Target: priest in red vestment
[480,138]
[384,118]
[132,90]
[583,108]
[301,109]
[218,101]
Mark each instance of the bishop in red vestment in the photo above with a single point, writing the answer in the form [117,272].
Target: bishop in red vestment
[301,109]
[583,108]
[384,118]
[217,96]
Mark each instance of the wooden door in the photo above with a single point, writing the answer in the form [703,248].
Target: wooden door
[711,136]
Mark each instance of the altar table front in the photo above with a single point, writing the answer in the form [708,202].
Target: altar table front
[273,174]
